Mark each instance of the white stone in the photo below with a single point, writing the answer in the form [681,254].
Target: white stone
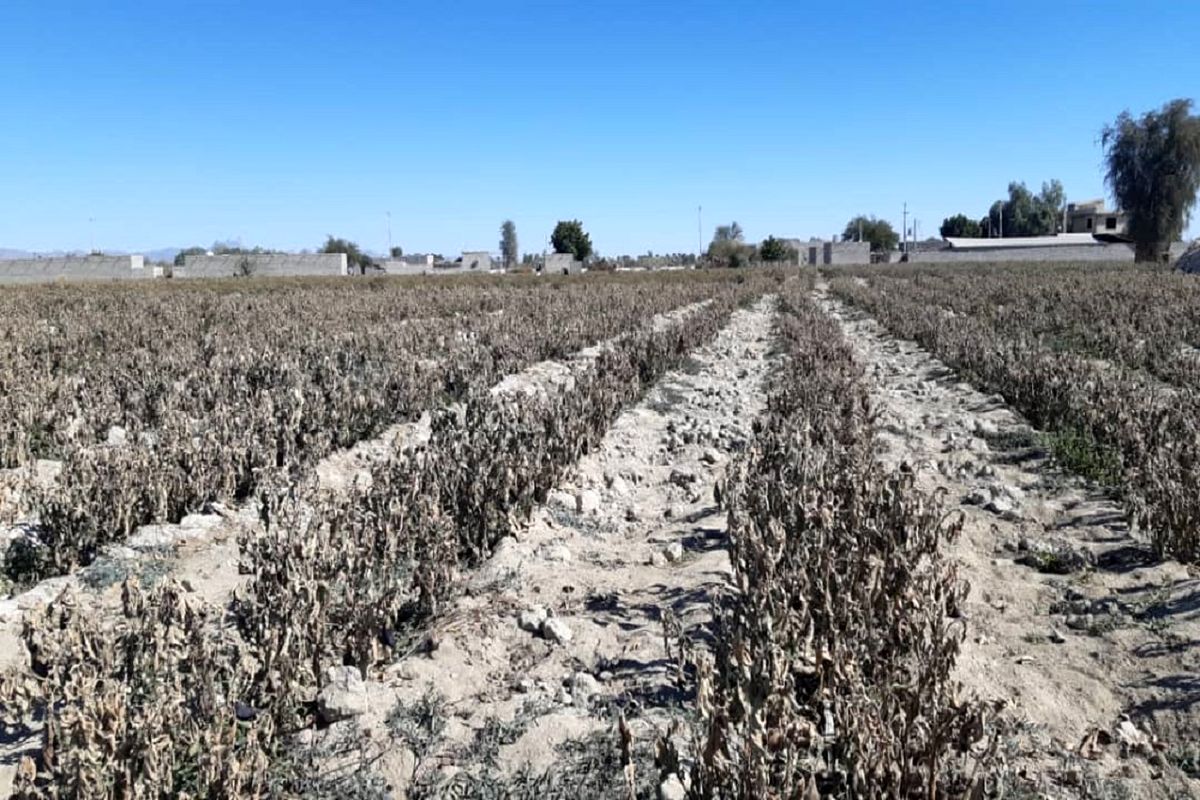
[584,686]
[587,501]
[556,630]
[117,436]
[673,552]
[531,619]
[985,427]
[672,789]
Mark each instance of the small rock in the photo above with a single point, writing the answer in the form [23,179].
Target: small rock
[1131,738]
[985,427]
[524,686]
[631,514]
[711,456]
[617,484]
[556,630]
[565,697]
[532,619]
[673,552]
[672,789]
[557,552]
[403,670]
[584,686]
[1056,637]
[658,560]
[587,501]
[561,499]
[117,436]
[344,695]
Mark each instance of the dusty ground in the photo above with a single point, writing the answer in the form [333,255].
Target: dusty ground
[1092,641]
[631,535]
[1089,639]
[202,549]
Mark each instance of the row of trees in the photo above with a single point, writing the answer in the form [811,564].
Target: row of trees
[1022,214]
[729,248]
[1153,171]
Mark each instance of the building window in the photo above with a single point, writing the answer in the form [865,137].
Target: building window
[1110,223]
[1089,223]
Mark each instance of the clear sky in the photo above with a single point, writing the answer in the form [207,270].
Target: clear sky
[275,123]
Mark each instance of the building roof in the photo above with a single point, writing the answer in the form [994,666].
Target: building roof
[1016,242]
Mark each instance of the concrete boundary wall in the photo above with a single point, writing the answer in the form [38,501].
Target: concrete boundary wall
[71,269]
[267,265]
[403,268]
[1086,252]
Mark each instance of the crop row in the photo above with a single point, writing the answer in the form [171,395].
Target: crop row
[1119,424]
[213,391]
[171,701]
[1136,318]
[831,663]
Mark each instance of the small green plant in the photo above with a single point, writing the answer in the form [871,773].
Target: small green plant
[1080,452]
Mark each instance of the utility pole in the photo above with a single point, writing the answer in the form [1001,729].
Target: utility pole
[389,219]
[91,235]
[699,234]
[904,231]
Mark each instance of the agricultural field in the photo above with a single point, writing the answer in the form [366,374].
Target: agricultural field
[870,532]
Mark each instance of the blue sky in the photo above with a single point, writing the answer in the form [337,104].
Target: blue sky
[172,124]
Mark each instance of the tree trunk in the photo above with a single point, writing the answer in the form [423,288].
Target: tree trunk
[1152,252]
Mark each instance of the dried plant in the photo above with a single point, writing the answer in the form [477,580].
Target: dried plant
[830,674]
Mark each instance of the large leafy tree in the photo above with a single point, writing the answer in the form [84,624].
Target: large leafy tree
[355,258]
[508,244]
[1154,174]
[728,246]
[879,232]
[729,233]
[773,249]
[1025,213]
[959,225]
[569,237]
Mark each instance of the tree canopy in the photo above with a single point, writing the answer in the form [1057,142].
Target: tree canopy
[1154,173]
[397,252]
[729,233]
[508,243]
[569,237]
[879,232]
[1026,214]
[773,249]
[728,248]
[960,225]
[356,259]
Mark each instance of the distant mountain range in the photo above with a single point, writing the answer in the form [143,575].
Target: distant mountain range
[162,254]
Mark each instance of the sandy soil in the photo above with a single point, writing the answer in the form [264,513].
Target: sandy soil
[202,549]
[631,535]
[1098,666]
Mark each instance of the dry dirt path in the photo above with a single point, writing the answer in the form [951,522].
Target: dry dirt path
[1092,642]
[563,625]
